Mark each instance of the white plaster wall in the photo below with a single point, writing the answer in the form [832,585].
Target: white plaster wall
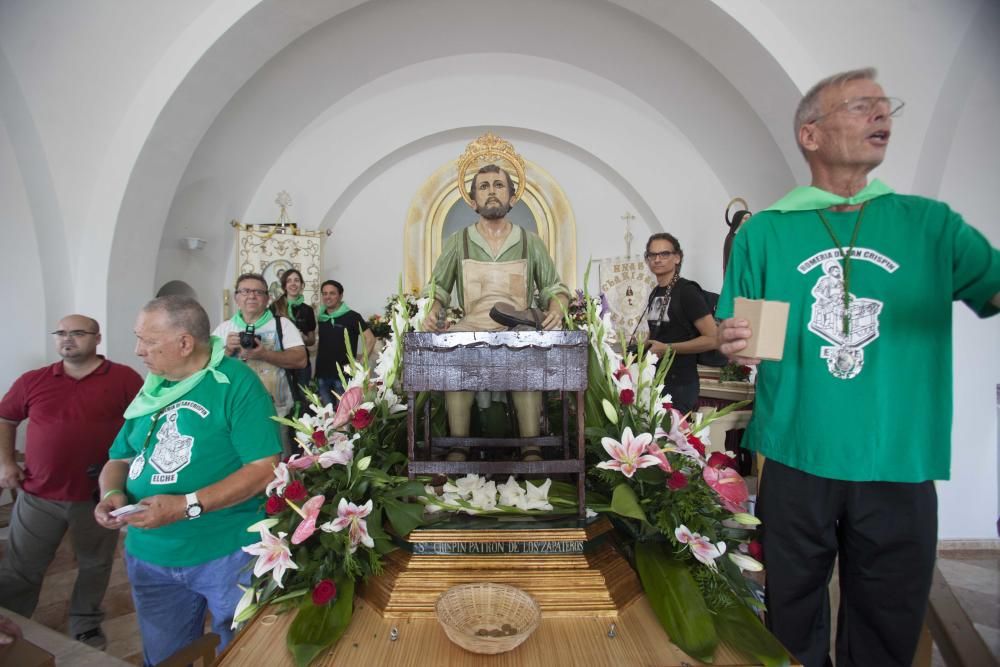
[20,271]
[968,503]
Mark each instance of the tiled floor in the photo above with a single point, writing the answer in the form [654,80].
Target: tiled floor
[974,577]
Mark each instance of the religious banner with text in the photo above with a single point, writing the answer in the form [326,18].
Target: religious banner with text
[626,283]
[270,250]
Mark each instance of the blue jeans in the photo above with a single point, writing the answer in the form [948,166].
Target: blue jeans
[170,602]
[326,388]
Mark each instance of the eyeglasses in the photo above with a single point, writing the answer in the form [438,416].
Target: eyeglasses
[661,255]
[247,291]
[864,106]
[75,333]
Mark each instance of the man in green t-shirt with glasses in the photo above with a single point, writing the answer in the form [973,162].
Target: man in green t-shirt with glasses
[855,420]
[197,450]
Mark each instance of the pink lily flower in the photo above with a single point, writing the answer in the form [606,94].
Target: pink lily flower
[730,486]
[310,510]
[700,546]
[654,450]
[629,454]
[350,400]
[272,554]
[352,517]
[300,462]
[280,480]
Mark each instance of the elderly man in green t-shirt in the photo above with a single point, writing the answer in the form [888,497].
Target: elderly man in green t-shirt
[197,450]
[489,262]
[852,450]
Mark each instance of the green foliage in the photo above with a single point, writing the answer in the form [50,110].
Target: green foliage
[315,628]
[676,600]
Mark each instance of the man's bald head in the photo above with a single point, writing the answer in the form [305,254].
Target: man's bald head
[77,338]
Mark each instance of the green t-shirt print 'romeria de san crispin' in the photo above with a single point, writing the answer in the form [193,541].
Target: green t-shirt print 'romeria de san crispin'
[874,404]
[202,437]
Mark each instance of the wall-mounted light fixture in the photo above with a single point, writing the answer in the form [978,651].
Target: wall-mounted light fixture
[193,242]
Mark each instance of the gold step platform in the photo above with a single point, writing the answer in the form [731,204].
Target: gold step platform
[571,567]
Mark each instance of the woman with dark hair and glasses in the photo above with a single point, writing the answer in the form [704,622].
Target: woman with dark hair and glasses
[679,320]
[292,304]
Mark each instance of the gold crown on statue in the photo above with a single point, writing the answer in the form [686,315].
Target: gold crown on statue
[490,149]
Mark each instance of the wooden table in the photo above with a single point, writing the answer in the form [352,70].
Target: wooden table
[639,640]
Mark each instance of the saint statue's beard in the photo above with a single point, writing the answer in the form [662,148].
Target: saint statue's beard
[495,212]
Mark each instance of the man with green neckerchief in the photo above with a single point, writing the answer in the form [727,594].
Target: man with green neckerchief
[336,319]
[870,277]
[196,451]
[253,335]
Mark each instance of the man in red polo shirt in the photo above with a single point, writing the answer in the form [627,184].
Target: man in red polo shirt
[74,408]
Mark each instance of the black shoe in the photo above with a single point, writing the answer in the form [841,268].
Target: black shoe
[507,315]
[94,638]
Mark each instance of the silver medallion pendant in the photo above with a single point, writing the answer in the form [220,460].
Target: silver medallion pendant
[138,463]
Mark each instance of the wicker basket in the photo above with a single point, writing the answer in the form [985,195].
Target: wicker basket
[468,611]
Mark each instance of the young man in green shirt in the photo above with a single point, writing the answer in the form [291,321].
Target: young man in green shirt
[197,449]
[870,277]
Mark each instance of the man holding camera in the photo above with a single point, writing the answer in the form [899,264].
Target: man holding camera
[74,408]
[253,335]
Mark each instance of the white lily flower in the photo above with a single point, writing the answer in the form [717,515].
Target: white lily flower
[745,562]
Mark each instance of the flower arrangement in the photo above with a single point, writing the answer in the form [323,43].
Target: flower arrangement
[682,513]
[734,372]
[327,504]
[379,326]
[414,303]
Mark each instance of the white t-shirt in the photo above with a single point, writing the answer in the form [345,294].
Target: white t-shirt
[275,379]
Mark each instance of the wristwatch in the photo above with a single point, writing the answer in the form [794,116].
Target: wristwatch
[194,508]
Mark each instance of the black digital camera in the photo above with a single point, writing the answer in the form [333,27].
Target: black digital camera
[248,339]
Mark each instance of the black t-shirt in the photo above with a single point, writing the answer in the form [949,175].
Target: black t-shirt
[671,320]
[331,350]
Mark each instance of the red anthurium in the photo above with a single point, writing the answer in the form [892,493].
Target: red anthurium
[729,485]
[324,591]
[720,460]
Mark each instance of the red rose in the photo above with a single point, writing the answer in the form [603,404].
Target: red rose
[362,418]
[677,481]
[274,505]
[756,550]
[627,397]
[697,444]
[325,591]
[295,491]
[720,460]
[319,437]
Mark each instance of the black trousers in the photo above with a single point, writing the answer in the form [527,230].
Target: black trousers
[886,536]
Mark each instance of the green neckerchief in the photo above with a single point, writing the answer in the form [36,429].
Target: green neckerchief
[156,394]
[341,309]
[261,321]
[291,303]
[809,198]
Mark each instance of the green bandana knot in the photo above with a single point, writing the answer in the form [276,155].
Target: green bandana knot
[156,394]
[240,325]
[292,303]
[327,317]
